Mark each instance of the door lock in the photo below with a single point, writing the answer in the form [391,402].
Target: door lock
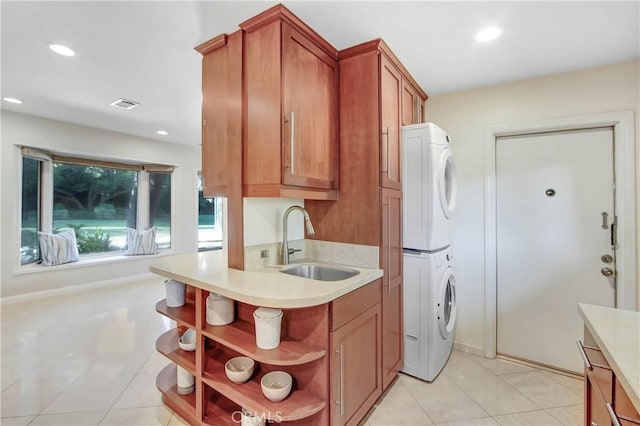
[606,258]
[607,272]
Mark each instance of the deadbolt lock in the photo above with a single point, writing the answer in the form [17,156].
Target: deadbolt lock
[606,258]
[607,272]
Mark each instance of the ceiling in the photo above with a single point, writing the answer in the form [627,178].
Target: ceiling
[143,51]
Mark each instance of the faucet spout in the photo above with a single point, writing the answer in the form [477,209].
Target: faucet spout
[285,237]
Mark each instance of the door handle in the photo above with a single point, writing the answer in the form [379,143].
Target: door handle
[612,414]
[292,127]
[340,401]
[387,133]
[604,220]
[583,355]
[607,272]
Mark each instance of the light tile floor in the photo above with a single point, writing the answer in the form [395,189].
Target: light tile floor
[89,359]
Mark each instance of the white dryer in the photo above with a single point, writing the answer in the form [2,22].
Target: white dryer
[429,311]
[429,187]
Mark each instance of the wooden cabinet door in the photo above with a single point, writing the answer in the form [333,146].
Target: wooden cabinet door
[410,104]
[310,84]
[596,410]
[355,368]
[221,117]
[390,120]
[391,260]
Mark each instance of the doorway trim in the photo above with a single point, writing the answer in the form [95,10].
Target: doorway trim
[625,205]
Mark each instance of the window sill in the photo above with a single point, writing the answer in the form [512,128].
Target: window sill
[88,261]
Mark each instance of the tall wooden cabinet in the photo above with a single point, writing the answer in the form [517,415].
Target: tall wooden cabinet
[369,208]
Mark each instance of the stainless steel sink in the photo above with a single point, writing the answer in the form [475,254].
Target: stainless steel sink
[319,272]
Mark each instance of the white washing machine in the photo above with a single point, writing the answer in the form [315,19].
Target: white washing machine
[429,311]
[429,187]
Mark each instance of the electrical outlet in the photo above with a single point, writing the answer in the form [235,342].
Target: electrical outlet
[264,254]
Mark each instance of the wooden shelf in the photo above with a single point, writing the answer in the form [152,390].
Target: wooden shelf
[221,411]
[298,405]
[184,315]
[239,336]
[184,405]
[167,345]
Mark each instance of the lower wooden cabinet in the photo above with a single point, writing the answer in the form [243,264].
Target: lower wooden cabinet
[391,294]
[606,402]
[355,373]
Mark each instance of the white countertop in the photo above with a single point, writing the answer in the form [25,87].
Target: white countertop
[617,333]
[266,287]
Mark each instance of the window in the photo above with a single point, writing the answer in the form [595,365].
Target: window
[99,203]
[97,199]
[160,207]
[209,221]
[29,247]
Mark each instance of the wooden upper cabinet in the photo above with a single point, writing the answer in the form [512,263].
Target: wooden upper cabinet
[291,94]
[412,104]
[310,80]
[221,113]
[390,122]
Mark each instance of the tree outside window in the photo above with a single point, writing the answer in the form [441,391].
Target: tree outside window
[99,203]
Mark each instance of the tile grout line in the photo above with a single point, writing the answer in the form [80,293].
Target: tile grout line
[128,384]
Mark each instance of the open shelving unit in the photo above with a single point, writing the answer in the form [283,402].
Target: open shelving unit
[302,352]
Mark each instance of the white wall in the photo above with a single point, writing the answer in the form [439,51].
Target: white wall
[263,220]
[465,115]
[20,129]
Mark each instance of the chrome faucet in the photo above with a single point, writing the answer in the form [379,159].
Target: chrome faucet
[286,251]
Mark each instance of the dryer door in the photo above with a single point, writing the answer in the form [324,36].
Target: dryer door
[447,306]
[447,184]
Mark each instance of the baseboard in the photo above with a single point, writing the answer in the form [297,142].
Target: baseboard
[464,347]
[36,295]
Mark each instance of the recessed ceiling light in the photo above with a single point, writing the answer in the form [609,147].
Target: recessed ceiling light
[62,50]
[12,100]
[488,34]
[162,132]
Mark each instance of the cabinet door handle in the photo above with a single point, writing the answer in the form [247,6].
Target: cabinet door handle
[340,401]
[388,207]
[292,161]
[583,355]
[612,414]
[387,133]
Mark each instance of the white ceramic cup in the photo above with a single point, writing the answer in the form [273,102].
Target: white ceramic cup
[268,323]
[175,293]
[186,381]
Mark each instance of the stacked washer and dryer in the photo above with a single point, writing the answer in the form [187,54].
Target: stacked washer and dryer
[429,198]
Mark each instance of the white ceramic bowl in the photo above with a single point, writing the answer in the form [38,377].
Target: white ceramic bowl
[187,341]
[239,369]
[276,385]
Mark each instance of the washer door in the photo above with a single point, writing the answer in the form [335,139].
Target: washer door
[447,306]
[447,184]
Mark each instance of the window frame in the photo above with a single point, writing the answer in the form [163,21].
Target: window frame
[46,202]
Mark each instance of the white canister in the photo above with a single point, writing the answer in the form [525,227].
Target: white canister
[175,293]
[185,381]
[219,310]
[248,419]
[268,322]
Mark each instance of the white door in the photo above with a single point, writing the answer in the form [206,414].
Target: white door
[555,199]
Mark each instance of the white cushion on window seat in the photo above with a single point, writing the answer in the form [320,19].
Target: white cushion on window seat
[141,242]
[56,249]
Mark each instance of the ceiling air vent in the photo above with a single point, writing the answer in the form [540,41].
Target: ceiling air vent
[124,103]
